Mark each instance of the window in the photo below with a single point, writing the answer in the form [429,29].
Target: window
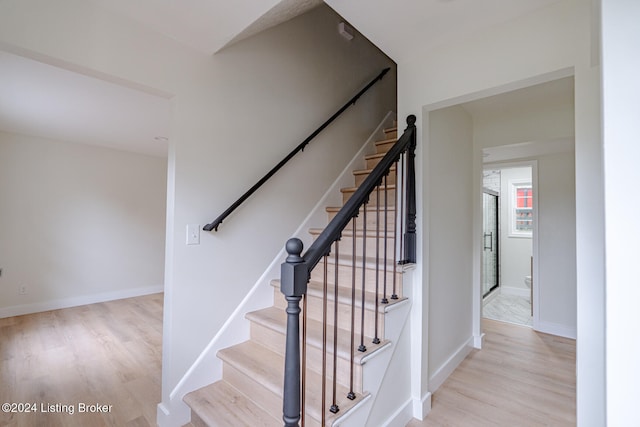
[521,209]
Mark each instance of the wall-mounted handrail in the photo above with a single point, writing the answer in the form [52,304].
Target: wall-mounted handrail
[296,270]
[216,222]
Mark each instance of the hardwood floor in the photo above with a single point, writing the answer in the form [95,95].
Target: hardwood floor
[519,378]
[106,354]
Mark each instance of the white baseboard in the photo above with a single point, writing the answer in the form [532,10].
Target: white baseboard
[37,307]
[512,290]
[403,415]
[421,407]
[447,368]
[556,329]
[478,341]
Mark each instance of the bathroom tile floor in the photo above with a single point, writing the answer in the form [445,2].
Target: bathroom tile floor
[509,308]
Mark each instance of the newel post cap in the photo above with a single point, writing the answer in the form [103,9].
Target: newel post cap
[294,248]
[294,274]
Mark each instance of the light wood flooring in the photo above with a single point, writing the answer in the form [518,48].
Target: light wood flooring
[110,354]
[106,354]
[519,378]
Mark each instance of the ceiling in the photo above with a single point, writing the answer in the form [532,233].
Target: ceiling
[46,101]
[403,27]
[209,25]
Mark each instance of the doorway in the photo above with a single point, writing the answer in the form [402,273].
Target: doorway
[508,242]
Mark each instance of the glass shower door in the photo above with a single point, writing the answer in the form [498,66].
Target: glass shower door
[490,255]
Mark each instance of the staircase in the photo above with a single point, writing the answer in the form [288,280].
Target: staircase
[250,392]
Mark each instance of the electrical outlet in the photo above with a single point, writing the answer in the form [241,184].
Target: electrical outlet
[23,290]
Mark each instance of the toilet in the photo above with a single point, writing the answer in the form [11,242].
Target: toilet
[527,281]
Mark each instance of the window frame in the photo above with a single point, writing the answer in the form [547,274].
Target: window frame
[514,186]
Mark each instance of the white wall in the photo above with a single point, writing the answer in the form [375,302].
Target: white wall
[253,103]
[78,224]
[549,43]
[448,191]
[621,89]
[557,300]
[515,251]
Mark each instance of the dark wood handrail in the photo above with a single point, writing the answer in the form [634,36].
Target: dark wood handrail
[216,222]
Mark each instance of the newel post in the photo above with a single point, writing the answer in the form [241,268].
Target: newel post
[294,276]
[410,232]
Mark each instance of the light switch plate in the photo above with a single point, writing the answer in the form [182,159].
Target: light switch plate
[193,234]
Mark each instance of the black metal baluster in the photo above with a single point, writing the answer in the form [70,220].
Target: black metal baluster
[386,220]
[403,165]
[394,294]
[334,406]
[362,347]
[324,340]
[351,395]
[303,373]
[376,339]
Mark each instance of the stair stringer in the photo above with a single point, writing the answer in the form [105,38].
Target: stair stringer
[375,367]
[207,368]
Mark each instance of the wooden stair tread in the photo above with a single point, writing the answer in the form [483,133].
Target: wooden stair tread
[315,289]
[382,187]
[368,171]
[391,129]
[385,141]
[374,156]
[369,262]
[315,231]
[267,368]
[257,362]
[222,405]
[335,209]
[276,319]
